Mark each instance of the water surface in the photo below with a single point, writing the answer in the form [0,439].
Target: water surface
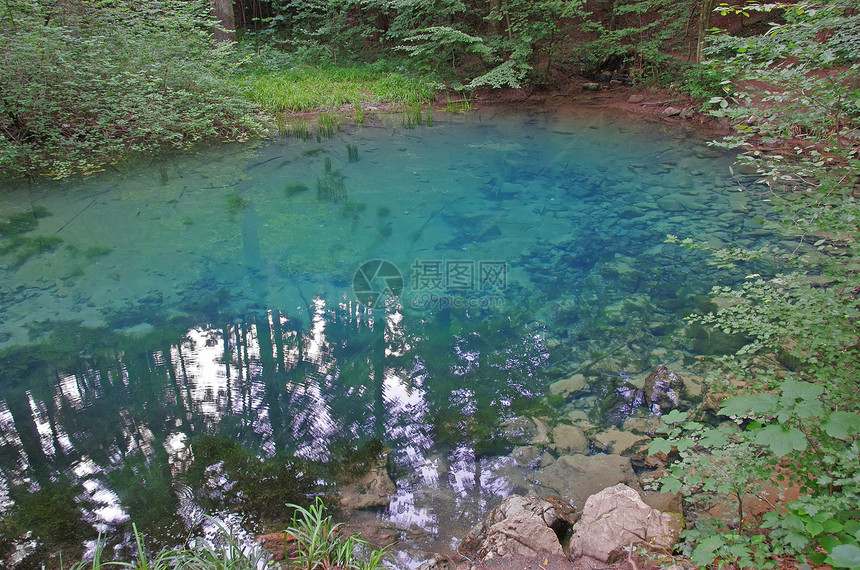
[216,294]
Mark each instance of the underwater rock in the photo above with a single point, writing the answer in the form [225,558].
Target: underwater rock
[526,455]
[519,430]
[591,87]
[568,438]
[618,400]
[616,441]
[577,477]
[663,390]
[615,518]
[689,204]
[542,435]
[518,527]
[372,491]
[739,202]
[650,425]
[670,204]
[666,502]
[637,98]
[567,386]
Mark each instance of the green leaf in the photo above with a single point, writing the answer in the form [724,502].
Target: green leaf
[670,485]
[814,528]
[703,554]
[660,445]
[782,440]
[846,556]
[794,391]
[675,417]
[740,406]
[714,438]
[841,424]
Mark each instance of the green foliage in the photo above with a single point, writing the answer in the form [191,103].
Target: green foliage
[726,463]
[439,45]
[319,542]
[92,82]
[640,35]
[228,552]
[705,82]
[330,87]
[799,422]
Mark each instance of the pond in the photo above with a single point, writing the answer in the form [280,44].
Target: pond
[420,287]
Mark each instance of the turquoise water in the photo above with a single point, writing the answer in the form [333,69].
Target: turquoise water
[417,286]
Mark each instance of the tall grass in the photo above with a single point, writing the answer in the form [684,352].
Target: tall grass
[331,88]
[318,539]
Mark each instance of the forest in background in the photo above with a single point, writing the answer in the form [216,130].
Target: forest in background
[86,83]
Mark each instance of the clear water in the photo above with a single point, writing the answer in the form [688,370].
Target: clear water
[216,293]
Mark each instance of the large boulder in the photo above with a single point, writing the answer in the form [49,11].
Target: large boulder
[616,518]
[520,527]
[577,477]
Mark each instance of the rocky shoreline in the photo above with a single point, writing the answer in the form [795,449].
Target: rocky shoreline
[581,500]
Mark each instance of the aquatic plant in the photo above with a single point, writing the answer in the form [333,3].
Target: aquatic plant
[22,222]
[236,204]
[319,542]
[294,188]
[26,247]
[264,486]
[413,116]
[463,105]
[298,128]
[352,152]
[359,112]
[327,124]
[383,211]
[385,229]
[352,209]
[331,186]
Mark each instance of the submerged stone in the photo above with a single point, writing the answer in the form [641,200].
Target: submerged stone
[663,390]
[577,477]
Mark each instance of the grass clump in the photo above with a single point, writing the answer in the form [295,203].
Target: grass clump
[332,87]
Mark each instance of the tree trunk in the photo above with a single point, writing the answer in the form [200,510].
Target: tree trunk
[222,10]
[495,18]
[704,26]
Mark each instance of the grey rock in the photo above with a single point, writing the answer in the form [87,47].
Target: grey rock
[577,477]
[637,98]
[670,112]
[591,87]
[518,527]
[615,518]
